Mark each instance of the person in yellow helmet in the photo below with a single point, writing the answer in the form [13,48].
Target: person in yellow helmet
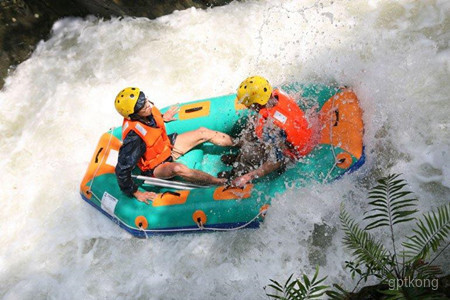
[278,134]
[147,145]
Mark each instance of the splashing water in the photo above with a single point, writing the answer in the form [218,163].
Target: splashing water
[55,106]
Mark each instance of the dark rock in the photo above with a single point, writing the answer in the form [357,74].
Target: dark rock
[320,240]
[23,23]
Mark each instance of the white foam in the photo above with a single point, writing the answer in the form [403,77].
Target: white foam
[55,106]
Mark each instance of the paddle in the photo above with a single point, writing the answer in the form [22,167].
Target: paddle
[170,183]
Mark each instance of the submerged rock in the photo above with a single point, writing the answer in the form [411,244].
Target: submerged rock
[320,240]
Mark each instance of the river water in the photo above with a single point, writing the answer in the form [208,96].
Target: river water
[55,106]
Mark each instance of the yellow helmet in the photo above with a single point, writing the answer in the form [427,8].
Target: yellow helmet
[126,101]
[254,89]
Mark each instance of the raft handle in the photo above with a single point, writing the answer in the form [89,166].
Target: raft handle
[336,112]
[230,187]
[199,218]
[194,109]
[171,193]
[141,222]
[98,153]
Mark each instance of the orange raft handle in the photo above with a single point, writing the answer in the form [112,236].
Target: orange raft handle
[141,222]
[344,160]
[263,210]
[199,217]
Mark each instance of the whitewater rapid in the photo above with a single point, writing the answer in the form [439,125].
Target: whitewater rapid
[56,104]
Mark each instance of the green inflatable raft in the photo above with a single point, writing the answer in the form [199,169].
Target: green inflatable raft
[184,207]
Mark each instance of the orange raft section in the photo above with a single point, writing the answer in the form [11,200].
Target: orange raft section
[341,117]
[98,166]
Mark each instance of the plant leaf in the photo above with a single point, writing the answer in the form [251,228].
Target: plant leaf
[365,248]
[429,234]
[388,204]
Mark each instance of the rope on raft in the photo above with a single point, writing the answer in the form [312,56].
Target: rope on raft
[332,146]
[200,225]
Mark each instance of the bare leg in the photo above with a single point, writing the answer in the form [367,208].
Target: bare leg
[172,169]
[188,140]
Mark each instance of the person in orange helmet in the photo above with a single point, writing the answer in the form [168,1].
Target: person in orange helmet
[276,135]
[147,145]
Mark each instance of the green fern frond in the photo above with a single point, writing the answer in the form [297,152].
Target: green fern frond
[338,293]
[430,233]
[428,271]
[313,288]
[298,290]
[389,203]
[365,249]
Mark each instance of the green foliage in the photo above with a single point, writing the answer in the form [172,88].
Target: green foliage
[338,293]
[298,289]
[364,247]
[430,233]
[390,204]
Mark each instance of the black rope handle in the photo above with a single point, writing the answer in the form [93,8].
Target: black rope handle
[230,187]
[194,109]
[336,112]
[171,193]
[98,153]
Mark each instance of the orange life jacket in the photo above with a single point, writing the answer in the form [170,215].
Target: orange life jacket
[288,116]
[158,144]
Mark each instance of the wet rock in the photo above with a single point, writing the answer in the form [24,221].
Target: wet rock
[320,240]
[23,23]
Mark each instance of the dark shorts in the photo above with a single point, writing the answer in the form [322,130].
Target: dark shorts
[172,137]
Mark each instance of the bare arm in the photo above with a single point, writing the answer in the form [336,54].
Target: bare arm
[267,168]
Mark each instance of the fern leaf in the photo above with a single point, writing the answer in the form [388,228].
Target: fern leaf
[403,203]
[430,233]
[294,293]
[389,206]
[338,294]
[315,289]
[298,290]
[365,248]
[276,286]
[428,271]
[275,296]
[306,281]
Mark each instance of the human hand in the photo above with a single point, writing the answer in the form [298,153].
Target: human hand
[169,115]
[241,181]
[144,196]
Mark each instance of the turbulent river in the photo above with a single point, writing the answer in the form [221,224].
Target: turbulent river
[56,104]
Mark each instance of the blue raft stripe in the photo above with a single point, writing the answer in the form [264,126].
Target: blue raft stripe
[359,163]
[355,166]
[144,234]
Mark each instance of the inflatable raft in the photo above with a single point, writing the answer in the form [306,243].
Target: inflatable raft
[183,207]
